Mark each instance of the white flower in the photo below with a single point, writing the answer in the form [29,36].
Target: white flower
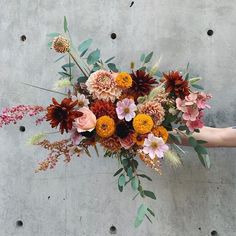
[62,83]
[154,146]
[126,109]
[82,100]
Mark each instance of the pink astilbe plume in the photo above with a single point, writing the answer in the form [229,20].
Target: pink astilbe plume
[17,113]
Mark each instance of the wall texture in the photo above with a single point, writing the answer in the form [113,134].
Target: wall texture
[82,198]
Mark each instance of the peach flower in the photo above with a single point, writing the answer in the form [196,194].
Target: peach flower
[86,122]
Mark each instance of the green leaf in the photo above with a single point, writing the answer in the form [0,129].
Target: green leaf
[142,68]
[81,79]
[130,172]
[121,180]
[148,57]
[120,188]
[54,34]
[205,160]
[110,59]
[182,128]
[142,57]
[142,210]
[201,141]
[96,67]
[197,86]
[84,46]
[63,74]
[149,194]
[68,65]
[195,80]
[151,212]
[118,172]
[93,57]
[175,138]
[134,183]
[159,74]
[112,67]
[187,76]
[135,163]
[200,149]
[192,141]
[145,176]
[65,24]
[148,218]
[58,59]
[50,44]
[125,162]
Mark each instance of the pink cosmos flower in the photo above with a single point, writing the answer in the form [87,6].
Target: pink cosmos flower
[154,146]
[126,109]
[75,136]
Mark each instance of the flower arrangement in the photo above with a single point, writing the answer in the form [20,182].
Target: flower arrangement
[131,114]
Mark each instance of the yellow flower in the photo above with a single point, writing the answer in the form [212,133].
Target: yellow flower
[123,80]
[139,139]
[105,126]
[160,131]
[143,123]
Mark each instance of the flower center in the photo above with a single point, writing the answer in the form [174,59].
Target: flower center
[60,113]
[80,103]
[154,145]
[104,126]
[126,110]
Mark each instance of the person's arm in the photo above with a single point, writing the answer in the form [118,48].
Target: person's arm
[215,137]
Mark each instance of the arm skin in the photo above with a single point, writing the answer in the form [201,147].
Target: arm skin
[215,137]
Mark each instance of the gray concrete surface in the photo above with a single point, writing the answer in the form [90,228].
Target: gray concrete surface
[82,198]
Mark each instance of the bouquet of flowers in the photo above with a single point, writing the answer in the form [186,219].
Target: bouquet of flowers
[131,114]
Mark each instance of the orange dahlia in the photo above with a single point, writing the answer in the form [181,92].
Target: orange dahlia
[142,84]
[161,131]
[63,114]
[139,139]
[103,108]
[176,85]
[154,109]
[105,127]
[61,44]
[123,80]
[112,143]
[143,123]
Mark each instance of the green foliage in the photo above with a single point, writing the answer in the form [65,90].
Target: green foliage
[134,183]
[145,176]
[112,67]
[192,141]
[68,65]
[148,57]
[197,86]
[93,57]
[81,79]
[121,180]
[149,194]
[65,24]
[84,46]
[142,210]
[110,59]
[118,172]
[175,138]
[142,58]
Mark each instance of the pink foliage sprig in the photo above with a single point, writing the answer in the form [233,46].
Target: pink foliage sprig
[17,113]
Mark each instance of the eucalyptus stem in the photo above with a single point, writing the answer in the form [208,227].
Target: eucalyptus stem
[72,56]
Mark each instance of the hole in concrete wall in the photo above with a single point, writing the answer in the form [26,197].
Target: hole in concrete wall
[19,223]
[113,230]
[22,128]
[214,233]
[113,35]
[200,228]
[210,32]
[49,197]
[23,38]
[131,4]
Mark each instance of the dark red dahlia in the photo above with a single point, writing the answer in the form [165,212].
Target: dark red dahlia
[176,85]
[63,114]
[142,84]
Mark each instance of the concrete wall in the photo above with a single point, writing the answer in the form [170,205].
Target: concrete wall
[82,198]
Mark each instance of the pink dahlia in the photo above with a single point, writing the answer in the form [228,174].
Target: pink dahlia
[154,146]
[101,84]
[126,109]
[153,109]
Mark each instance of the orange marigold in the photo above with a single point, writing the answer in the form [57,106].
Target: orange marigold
[123,80]
[105,127]
[143,123]
[160,131]
[103,108]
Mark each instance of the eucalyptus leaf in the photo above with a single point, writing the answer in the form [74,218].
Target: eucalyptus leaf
[149,194]
[50,44]
[145,176]
[120,188]
[68,65]
[195,80]
[110,59]
[121,180]
[134,183]
[118,172]
[112,67]
[58,59]
[54,34]
[192,141]
[84,46]
[205,160]
[148,218]
[142,210]
[142,57]
[93,57]
[201,150]
[197,86]
[175,138]
[82,79]
[130,172]
[151,212]
[148,57]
